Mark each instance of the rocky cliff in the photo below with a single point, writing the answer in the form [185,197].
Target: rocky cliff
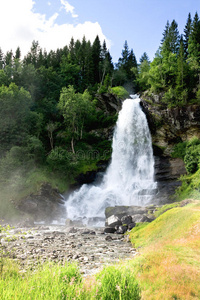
[169,126]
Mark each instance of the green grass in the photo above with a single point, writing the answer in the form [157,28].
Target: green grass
[54,281]
[48,282]
[169,263]
[117,282]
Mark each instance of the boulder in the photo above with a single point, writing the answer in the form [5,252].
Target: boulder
[109,230]
[140,218]
[131,225]
[45,205]
[122,229]
[112,221]
[121,211]
[126,220]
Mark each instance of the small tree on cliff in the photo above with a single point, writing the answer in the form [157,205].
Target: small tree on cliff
[75,108]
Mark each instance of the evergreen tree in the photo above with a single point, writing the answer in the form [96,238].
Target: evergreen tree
[18,53]
[182,73]
[126,69]
[194,48]
[143,72]
[187,32]
[96,60]
[144,57]
[171,39]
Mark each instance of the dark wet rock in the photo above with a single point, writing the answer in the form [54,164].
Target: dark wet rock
[109,230]
[126,220]
[131,225]
[109,103]
[108,238]
[122,229]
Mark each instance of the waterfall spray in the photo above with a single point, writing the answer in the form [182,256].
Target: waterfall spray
[129,179]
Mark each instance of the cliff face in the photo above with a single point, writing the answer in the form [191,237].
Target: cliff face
[169,126]
[172,125]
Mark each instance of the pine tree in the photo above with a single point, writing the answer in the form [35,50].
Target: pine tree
[194,48]
[144,57]
[182,69]
[171,39]
[187,32]
[96,59]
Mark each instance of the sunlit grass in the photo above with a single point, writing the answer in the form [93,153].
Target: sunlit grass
[54,281]
[169,264]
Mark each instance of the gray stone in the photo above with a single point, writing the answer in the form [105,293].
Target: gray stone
[140,218]
[113,220]
[121,211]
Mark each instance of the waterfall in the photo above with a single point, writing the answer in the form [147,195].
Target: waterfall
[129,179]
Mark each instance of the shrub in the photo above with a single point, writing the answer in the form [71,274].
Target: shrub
[179,150]
[59,159]
[120,92]
[192,156]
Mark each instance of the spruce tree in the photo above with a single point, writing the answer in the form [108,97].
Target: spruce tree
[187,32]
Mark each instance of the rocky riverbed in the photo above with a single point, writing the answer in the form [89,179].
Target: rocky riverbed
[91,248]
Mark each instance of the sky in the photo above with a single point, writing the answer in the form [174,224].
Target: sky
[53,22]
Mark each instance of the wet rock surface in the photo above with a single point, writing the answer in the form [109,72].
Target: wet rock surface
[90,248]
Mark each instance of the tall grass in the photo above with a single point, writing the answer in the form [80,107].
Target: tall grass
[54,281]
[50,281]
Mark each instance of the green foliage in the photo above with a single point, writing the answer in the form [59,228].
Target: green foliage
[120,92]
[192,156]
[76,108]
[117,283]
[15,108]
[179,150]
[59,159]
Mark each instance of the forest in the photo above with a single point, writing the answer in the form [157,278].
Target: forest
[50,110]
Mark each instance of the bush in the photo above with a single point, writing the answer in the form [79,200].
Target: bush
[120,92]
[192,156]
[179,150]
[59,159]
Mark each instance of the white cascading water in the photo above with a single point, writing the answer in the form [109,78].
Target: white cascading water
[129,179]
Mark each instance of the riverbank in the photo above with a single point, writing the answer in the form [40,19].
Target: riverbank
[163,257]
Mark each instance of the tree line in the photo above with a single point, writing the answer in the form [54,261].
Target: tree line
[49,104]
[175,70]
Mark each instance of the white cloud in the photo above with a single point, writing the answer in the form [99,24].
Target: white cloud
[69,8]
[19,26]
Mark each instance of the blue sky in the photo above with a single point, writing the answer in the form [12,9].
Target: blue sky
[54,22]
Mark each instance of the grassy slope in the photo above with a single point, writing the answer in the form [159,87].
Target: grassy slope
[169,264]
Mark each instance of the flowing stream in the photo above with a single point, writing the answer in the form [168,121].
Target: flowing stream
[129,179]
